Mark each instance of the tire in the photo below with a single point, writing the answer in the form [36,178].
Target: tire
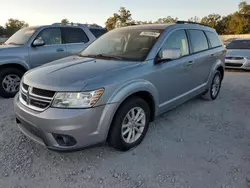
[12,75]
[209,95]
[115,138]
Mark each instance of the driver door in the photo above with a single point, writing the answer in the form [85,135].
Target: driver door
[52,50]
[172,77]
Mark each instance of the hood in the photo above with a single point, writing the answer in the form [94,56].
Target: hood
[8,46]
[72,73]
[238,53]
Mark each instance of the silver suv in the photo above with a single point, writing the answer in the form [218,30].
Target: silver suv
[118,84]
[34,46]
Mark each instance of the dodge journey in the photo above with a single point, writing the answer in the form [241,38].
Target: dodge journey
[114,88]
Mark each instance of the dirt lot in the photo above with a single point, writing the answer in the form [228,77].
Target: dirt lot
[199,144]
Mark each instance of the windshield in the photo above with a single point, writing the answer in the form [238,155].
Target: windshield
[239,44]
[123,44]
[21,37]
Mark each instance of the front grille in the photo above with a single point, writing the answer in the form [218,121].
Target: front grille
[233,64]
[34,98]
[42,92]
[235,58]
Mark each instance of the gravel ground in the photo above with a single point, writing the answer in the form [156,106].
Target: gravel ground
[199,144]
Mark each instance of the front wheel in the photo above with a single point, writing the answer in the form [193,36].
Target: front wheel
[130,124]
[10,81]
[214,88]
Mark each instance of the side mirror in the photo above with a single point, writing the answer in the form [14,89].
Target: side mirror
[38,42]
[170,54]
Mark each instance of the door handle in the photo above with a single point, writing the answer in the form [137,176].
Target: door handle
[60,50]
[190,63]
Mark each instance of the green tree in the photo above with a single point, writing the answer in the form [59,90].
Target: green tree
[239,24]
[244,8]
[124,17]
[121,19]
[2,31]
[13,25]
[111,22]
[167,20]
[223,25]
[194,19]
[211,20]
[65,21]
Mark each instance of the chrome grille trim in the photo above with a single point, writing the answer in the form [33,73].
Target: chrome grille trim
[24,90]
[31,96]
[40,97]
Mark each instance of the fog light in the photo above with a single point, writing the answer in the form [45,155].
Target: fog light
[64,140]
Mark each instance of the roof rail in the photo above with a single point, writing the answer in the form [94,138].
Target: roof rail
[189,22]
[76,24]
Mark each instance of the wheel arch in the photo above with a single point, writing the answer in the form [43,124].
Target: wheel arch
[139,88]
[14,65]
[221,70]
[218,66]
[147,97]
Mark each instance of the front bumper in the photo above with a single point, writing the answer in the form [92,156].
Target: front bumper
[86,126]
[243,64]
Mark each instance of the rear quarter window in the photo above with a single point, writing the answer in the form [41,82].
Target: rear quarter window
[198,40]
[74,35]
[213,39]
[98,32]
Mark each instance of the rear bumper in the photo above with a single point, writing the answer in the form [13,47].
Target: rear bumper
[86,126]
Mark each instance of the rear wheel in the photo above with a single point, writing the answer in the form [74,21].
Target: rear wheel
[130,124]
[214,88]
[10,81]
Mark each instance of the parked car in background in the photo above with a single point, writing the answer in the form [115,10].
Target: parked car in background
[118,84]
[238,54]
[34,46]
[229,41]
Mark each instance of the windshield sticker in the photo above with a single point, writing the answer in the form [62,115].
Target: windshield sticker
[150,34]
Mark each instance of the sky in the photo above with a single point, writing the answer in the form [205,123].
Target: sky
[40,12]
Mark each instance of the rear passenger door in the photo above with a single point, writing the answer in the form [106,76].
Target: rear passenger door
[75,40]
[200,66]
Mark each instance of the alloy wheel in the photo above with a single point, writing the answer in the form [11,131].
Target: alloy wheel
[133,125]
[11,83]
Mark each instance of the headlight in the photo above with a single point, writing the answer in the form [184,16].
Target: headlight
[77,99]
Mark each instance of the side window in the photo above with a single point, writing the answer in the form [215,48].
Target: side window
[198,40]
[178,39]
[74,35]
[214,39]
[51,36]
[98,32]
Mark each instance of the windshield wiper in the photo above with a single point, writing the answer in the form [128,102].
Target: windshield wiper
[103,56]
